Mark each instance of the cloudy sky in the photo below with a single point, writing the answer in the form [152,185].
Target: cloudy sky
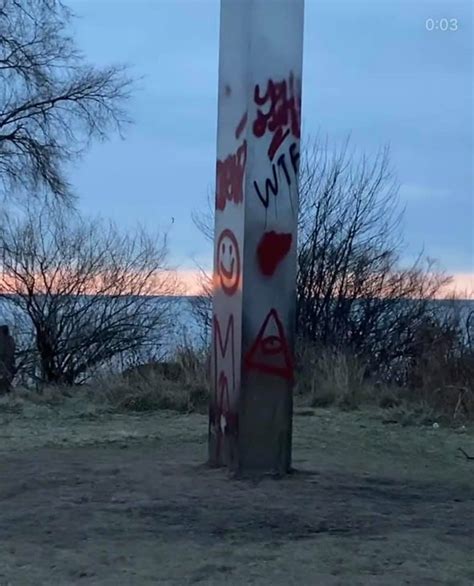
[371,68]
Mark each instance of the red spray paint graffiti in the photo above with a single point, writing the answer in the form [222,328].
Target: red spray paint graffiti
[270,353]
[230,172]
[241,125]
[230,176]
[224,346]
[271,250]
[283,114]
[222,420]
[228,262]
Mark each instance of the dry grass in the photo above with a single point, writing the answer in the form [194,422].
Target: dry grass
[179,385]
[441,373]
[440,385]
[446,383]
[327,377]
[136,392]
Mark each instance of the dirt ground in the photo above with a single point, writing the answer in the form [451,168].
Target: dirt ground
[100,498]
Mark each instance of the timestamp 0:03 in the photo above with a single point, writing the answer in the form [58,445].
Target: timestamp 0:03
[441,24]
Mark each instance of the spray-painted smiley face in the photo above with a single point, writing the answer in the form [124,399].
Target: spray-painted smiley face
[228,262]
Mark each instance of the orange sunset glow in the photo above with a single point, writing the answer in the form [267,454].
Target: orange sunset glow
[462,284]
[189,282]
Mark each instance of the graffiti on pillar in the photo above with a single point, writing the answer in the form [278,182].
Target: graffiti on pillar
[278,112]
[230,172]
[241,125]
[270,353]
[228,264]
[219,408]
[230,176]
[287,165]
[271,250]
[223,421]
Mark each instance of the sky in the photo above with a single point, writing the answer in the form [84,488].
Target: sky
[371,69]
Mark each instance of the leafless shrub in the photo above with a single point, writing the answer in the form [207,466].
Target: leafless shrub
[89,291]
[441,370]
[331,377]
[435,381]
[353,292]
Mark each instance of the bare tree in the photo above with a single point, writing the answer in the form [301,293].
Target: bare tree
[353,290]
[90,292]
[52,103]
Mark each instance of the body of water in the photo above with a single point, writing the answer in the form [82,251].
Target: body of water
[185,329]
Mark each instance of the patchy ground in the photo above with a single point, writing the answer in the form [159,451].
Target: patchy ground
[100,498]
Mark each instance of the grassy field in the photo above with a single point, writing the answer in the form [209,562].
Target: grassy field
[89,496]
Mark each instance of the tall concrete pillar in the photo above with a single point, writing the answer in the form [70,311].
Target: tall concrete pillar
[259,116]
